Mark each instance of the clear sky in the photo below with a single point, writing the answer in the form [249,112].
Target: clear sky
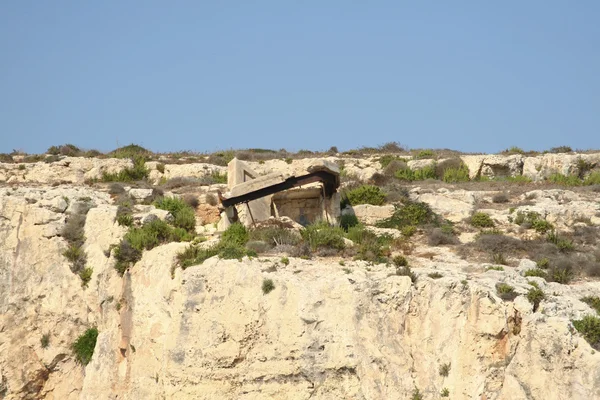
[198,75]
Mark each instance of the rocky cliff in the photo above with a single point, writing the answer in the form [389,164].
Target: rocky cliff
[326,331]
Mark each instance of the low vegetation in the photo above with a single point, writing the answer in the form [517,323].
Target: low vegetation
[592,301]
[83,348]
[137,172]
[589,327]
[365,194]
[482,220]
[268,286]
[535,295]
[505,291]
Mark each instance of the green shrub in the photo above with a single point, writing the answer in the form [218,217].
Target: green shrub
[183,214]
[366,194]
[416,395]
[194,255]
[592,179]
[561,149]
[408,231]
[83,348]
[185,219]
[146,237]
[385,160]
[275,236]
[235,234]
[421,174]
[560,179]
[498,258]
[45,340]
[589,327]
[505,291]
[410,214]
[445,369]
[424,154]
[495,268]
[563,245]
[218,177]
[592,301]
[348,221]
[513,150]
[136,173]
[482,220]
[285,260]
[323,235]
[445,392]
[535,295]
[406,271]
[536,272]
[400,261]
[267,286]
[562,273]
[456,175]
[532,219]
[86,276]
[370,246]
[125,219]
[435,275]
[543,262]
[130,151]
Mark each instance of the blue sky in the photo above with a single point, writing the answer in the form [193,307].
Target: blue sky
[475,76]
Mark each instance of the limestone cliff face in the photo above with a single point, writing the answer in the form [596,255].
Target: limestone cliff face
[324,332]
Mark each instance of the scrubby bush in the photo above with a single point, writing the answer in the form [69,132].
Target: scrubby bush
[410,214]
[564,245]
[191,201]
[130,151]
[561,273]
[323,235]
[424,154]
[370,247]
[275,236]
[86,276]
[267,286]
[136,173]
[535,295]
[561,149]
[400,261]
[45,340]
[125,219]
[566,180]
[532,219]
[592,179]
[456,175]
[235,234]
[435,275]
[589,327]
[500,198]
[481,220]
[366,194]
[437,237]
[592,301]
[536,272]
[505,291]
[83,348]
[445,369]
[406,271]
[183,215]
[420,174]
[347,221]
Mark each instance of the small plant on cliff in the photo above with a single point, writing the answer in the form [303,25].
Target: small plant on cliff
[410,214]
[455,175]
[268,286]
[535,295]
[45,340]
[406,271]
[86,276]
[589,327]
[592,301]
[183,214]
[445,369]
[482,220]
[416,395]
[445,392]
[435,275]
[366,194]
[323,235]
[136,173]
[83,348]
[505,291]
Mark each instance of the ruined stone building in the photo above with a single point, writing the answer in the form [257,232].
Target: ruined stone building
[306,194]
